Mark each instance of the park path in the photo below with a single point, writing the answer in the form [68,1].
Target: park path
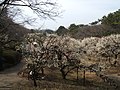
[9,76]
[116,78]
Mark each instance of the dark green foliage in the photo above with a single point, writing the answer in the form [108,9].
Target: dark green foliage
[113,19]
[1,63]
[109,25]
[11,35]
[82,25]
[94,23]
[1,51]
[11,57]
[73,26]
[61,30]
[73,29]
[92,31]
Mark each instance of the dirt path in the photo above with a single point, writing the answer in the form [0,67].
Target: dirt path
[116,78]
[9,76]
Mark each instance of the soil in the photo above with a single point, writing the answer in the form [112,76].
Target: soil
[9,76]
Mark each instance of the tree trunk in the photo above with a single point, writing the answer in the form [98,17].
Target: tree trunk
[34,76]
[35,84]
[42,70]
[110,61]
[63,73]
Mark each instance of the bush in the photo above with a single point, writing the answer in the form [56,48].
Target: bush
[11,57]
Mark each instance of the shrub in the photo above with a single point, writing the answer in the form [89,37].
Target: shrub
[12,57]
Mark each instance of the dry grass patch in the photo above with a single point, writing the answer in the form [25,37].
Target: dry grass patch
[54,81]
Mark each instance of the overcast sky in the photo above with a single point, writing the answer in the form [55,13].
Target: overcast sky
[81,12]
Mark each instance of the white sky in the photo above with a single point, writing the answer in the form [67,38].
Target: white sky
[80,12]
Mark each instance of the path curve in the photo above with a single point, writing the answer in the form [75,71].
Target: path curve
[9,76]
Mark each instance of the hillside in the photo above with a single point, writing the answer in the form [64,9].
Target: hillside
[105,26]
[93,31]
[88,31]
[14,30]
[9,27]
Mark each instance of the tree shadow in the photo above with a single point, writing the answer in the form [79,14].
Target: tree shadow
[14,69]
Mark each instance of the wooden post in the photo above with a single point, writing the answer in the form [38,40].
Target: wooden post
[77,73]
[84,77]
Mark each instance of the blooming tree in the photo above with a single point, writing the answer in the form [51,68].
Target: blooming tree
[109,48]
[66,53]
[44,50]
